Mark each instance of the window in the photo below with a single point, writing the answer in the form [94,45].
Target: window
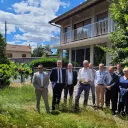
[23,55]
[9,55]
[67,34]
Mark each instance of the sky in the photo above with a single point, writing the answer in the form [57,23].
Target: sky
[27,20]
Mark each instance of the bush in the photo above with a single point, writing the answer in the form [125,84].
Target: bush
[7,71]
[48,62]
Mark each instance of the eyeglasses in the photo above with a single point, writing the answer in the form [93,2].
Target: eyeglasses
[40,68]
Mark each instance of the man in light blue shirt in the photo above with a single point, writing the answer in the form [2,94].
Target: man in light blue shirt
[100,85]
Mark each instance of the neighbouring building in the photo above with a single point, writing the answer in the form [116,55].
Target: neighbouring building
[18,51]
[82,29]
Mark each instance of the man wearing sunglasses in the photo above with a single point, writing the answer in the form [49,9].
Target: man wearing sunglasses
[41,82]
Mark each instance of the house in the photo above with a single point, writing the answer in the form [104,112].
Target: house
[18,51]
[82,29]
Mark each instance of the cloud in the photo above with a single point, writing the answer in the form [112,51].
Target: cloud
[30,19]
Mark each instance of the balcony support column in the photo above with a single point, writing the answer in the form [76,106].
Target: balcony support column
[60,54]
[71,28]
[92,54]
[70,55]
[108,57]
[92,22]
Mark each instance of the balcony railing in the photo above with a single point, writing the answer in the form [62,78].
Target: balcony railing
[96,29]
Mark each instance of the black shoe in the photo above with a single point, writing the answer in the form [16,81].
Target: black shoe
[123,113]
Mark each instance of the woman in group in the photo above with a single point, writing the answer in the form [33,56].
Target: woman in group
[123,99]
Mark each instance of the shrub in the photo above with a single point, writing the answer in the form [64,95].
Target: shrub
[48,62]
[7,71]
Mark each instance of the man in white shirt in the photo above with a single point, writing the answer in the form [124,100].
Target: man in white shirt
[71,81]
[85,78]
[41,82]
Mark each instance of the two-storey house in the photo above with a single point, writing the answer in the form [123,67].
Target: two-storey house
[82,29]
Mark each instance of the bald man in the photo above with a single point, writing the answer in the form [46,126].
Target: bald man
[71,81]
[112,87]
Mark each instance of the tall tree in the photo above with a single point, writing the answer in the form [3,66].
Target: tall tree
[119,38]
[3,57]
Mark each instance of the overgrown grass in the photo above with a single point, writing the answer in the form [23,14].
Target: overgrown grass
[17,110]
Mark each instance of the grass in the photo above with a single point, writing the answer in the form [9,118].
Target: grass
[17,110]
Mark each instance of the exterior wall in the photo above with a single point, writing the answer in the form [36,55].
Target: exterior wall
[18,54]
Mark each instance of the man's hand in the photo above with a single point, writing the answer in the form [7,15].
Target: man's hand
[108,87]
[127,89]
[41,89]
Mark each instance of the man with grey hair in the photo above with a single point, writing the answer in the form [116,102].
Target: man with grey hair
[58,79]
[85,78]
[100,85]
[71,81]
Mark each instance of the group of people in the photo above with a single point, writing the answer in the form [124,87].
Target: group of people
[109,83]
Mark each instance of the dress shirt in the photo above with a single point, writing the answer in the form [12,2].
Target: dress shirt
[60,75]
[70,77]
[85,75]
[99,77]
[41,78]
[108,79]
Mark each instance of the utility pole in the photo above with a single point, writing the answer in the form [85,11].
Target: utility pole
[5,31]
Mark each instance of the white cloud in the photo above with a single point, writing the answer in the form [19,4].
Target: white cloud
[31,18]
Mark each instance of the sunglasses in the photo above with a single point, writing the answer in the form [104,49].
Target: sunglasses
[40,68]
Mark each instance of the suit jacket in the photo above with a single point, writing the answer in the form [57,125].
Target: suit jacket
[114,84]
[74,80]
[37,81]
[54,75]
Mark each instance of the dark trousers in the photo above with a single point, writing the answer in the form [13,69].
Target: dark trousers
[113,96]
[81,88]
[57,90]
[69,89]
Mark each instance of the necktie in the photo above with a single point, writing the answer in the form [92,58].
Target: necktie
[59,76]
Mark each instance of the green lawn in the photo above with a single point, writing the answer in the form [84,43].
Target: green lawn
[17,110]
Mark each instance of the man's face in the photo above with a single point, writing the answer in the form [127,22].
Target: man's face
[59,64]
[85,64]
[111,70]
[101,67]
[118,66]
[40,68]
[70,67]
[90,66]
[125,73]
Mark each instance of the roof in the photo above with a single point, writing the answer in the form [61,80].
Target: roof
[82,7]
[18,48]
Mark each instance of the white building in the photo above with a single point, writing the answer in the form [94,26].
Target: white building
[82,28]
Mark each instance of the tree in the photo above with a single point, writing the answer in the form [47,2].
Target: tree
[119,38]
[40,51]
[3,57]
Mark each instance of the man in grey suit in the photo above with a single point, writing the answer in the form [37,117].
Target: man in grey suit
[41,82]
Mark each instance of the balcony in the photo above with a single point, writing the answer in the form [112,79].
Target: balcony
[96,29]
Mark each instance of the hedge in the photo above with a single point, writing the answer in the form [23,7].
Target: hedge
[48,62]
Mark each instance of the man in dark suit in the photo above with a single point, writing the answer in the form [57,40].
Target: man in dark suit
[112,82]
[71,81]
[58,79]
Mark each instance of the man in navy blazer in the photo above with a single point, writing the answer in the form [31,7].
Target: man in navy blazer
[71,81]
[58,79]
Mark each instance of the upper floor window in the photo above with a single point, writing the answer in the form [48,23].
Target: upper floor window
[23,55]
[67,34]
[102,16]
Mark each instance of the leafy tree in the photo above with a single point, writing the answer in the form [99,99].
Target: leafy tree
[40,51]
[3,57]
[119,38]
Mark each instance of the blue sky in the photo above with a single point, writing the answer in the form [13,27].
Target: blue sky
[27,20]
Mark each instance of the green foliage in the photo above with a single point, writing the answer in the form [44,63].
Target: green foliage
[7,71]
[3,57]
[49,62]
[119,38]
[40,51]
[24,70]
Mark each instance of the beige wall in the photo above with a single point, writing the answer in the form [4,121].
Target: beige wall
[18,54]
